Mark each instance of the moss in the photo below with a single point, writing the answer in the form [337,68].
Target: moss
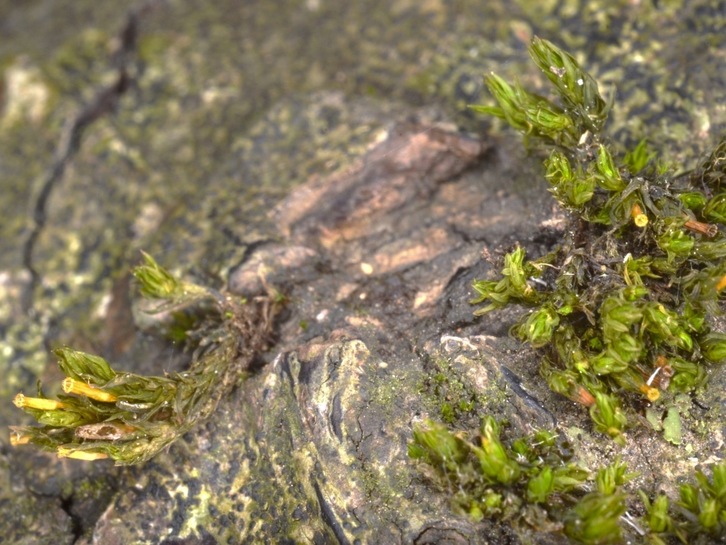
[528,482]
[450,393]
[129,417]
[620,307]
[532,483]
[156,121]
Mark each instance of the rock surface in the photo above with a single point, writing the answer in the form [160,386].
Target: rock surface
[285,146]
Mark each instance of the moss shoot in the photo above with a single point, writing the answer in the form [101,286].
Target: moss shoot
[129,418]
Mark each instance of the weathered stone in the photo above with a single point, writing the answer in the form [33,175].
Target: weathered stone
[227,111]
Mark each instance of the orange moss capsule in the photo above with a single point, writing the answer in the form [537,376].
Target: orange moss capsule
[653,394]
[71,386]
[721,283]
[583,397]
[661,361]
[639,217]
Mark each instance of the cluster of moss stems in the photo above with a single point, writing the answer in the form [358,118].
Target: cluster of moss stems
[127,417]
[532,482]
[621,311]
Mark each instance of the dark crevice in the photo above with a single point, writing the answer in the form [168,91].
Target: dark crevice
[328,516]
[515,385]
[432,534]
[76,524]
[466,236]
[102,104]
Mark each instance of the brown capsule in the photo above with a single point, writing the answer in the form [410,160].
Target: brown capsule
[708,229]
[661,360]
[18,437]
[661,376]
[104,431]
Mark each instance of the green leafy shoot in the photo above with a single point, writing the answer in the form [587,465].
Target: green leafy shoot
[583,110]
[638,158]
[129,418]
[705,501]
[513,285]
[610,478]
[595,519]
[658,520]
[531,114]
[699,511]
[531,482]
[155,282]
[495,478]
[577,89]
[608,417]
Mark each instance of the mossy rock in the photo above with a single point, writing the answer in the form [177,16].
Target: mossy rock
[264,140]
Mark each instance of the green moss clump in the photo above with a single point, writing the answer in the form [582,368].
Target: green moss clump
[129,417]
[454,401]
[698,516]
[532,483]
[620,309]
[705,500]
